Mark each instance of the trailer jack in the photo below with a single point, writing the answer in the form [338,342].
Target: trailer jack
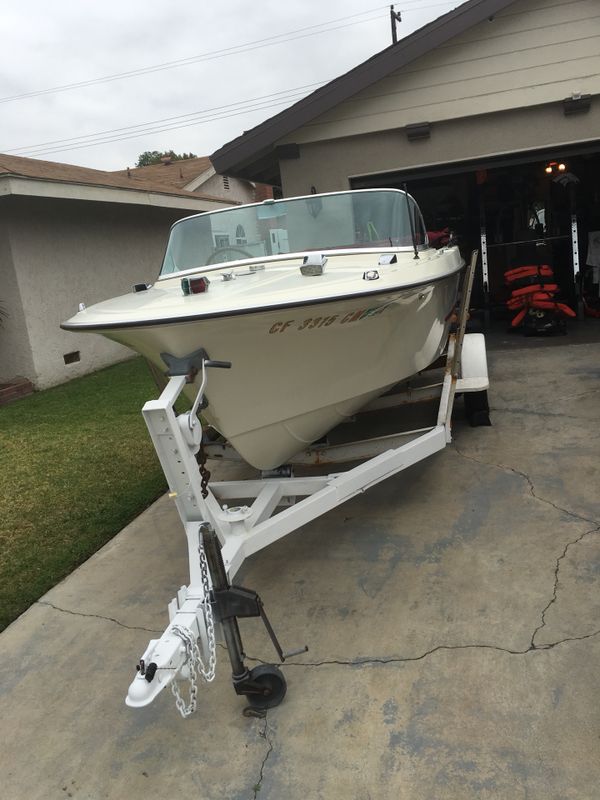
[264,686]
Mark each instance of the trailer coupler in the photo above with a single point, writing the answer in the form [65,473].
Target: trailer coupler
[187,647]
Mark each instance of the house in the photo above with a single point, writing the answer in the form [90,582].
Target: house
[490,115]
[69,235]
[199,176]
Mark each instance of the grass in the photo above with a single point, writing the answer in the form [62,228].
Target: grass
[76,465]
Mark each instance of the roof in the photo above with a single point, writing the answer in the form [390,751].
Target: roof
[36,169]
[253,156]
[175,173]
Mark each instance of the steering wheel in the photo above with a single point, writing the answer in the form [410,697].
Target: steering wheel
[216,257]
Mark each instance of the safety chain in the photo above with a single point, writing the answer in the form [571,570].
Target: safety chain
[194,659]
[201,458]
[208,616]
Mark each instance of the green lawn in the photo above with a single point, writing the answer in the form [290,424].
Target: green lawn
[76,465]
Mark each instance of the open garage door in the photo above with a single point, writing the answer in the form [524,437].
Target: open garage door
[520,209]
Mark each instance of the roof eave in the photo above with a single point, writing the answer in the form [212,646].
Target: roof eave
[21,185]
[242,155]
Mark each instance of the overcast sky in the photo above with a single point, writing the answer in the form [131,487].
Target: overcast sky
[235,81]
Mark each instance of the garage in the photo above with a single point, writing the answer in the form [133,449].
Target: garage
[539,208]
[489,115]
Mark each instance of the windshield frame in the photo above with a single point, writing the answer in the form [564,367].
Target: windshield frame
[226,266]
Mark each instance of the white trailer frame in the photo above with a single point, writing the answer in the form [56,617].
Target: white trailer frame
[243,530]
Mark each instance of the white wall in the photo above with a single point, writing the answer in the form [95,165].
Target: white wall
[66,252]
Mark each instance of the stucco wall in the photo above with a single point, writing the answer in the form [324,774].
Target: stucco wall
[66,252]
[16,358]
[329,165]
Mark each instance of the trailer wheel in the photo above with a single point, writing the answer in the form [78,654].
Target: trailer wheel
[270,679]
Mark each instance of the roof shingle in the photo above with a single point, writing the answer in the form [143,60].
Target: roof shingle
[174,173]
[34,168]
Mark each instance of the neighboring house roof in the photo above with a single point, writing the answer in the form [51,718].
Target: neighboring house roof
[253,156]
[26,175]
[174,173]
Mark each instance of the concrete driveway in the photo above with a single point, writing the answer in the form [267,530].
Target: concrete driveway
[452,615]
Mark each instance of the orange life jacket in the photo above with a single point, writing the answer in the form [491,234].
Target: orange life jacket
[544,271]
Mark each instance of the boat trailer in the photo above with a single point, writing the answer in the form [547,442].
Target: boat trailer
[221,533]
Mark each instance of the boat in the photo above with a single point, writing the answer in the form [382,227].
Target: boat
[320,303]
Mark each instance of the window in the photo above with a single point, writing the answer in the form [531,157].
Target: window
[226,182]
[240,235]
[221,239]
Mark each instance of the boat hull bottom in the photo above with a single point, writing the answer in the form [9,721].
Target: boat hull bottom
[272,445]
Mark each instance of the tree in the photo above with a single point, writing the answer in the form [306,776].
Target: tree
[155,157]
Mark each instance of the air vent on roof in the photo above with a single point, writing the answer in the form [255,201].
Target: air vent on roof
[225,181]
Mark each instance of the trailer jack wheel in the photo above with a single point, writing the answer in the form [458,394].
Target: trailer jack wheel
[265,688]
[272,682]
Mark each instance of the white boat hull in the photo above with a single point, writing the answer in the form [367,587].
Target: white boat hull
[297,372]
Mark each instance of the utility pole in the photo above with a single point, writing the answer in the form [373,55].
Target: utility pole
[395,16]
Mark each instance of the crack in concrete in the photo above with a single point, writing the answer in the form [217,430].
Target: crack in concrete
[95,616]
[383,660]
[556,571]
[532,490]
[265,735]
[533,647]
[562,510]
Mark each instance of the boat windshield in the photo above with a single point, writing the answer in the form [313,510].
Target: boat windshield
[361,219]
